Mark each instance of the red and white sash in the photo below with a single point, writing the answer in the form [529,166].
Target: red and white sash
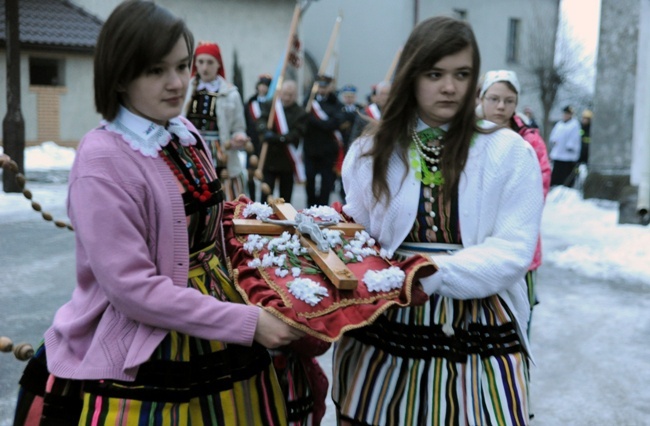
[338,137]
[254,109]
[373,112]
[322,115]
[295,153]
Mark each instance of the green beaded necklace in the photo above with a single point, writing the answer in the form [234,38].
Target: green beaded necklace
[426,165]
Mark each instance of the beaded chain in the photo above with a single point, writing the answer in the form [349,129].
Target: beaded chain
[430,173]
[201,191]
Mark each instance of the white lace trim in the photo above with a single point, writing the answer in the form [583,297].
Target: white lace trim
[211,86]
[145,136]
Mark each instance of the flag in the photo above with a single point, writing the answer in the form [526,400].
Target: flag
[294,59]
[332,66]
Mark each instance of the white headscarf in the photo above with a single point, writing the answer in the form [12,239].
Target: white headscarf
[492,77]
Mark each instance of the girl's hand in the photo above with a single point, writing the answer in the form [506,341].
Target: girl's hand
[271,332]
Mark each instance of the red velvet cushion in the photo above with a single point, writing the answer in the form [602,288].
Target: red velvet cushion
[343,310]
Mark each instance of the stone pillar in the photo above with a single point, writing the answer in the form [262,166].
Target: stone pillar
[612,127]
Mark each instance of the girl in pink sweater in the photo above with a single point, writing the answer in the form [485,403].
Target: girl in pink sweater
[155,332]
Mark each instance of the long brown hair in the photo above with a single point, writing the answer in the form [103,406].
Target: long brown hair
[429,42]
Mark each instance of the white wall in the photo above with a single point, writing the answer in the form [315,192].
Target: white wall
[77,105]
[371,33]
[77,108]
[257,29]
[373,30]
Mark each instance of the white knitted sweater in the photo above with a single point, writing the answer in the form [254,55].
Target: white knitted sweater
[500,208]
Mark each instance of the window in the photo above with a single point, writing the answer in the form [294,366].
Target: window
[460,14]
[46,72]
[512,53]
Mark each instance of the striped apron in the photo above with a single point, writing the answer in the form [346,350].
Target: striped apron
[447,362]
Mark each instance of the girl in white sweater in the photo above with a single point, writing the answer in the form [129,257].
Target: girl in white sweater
[430,179]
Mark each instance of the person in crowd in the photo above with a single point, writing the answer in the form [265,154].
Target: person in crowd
[499,95]
[429,179]
[531,122]
[253,112]
[283,158]
[155,331]
[216,109]
[565,148]
[585,136]
[322,142]
[372,112]
[350,112]
[370,97]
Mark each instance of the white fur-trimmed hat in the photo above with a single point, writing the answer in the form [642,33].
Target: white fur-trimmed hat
[492,77]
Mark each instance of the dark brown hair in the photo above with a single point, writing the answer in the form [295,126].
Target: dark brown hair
[135,36]
[429,42]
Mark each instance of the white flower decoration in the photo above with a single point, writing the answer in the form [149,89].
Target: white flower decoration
[360,247]
[260,210]
[255,263]
[255,242]
[325,213]
[307,290]
[332,236]
[384,280]
[281,272]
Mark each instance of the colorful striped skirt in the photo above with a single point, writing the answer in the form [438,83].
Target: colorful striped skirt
[187,381]
[405,370]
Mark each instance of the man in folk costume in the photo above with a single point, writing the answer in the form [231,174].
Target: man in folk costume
[322,142]
[283,160]
[252,113]
[372,112]
[216,109]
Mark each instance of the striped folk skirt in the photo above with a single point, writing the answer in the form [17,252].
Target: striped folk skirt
[187,381]
[405,370]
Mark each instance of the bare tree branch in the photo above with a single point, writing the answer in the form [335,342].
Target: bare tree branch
[554,66]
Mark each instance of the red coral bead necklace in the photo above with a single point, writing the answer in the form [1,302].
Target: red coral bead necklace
[201,190]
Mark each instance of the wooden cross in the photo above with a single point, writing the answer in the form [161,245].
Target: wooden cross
[331,265]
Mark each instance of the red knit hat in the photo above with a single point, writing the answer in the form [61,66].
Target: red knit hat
[211,49]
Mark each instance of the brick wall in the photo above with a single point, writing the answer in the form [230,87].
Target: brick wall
[48,112]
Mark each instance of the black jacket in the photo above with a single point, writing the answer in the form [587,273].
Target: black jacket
[347,122]
[277,156]
[251,124]
[319,136]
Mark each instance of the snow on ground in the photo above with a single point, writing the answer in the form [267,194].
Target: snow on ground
[581,235]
